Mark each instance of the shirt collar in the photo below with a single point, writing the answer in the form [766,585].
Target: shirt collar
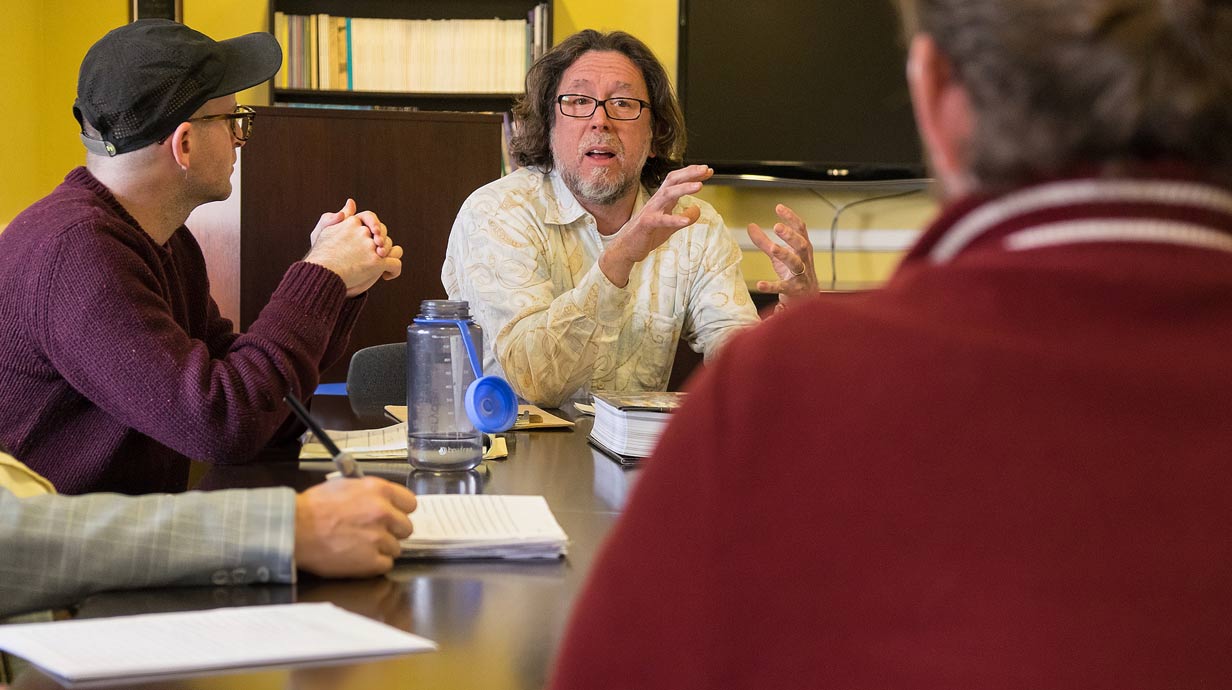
[563,209]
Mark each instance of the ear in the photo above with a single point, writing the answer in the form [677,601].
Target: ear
[942,113]
[181,144]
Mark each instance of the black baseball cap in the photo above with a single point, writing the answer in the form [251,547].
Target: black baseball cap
[140,81]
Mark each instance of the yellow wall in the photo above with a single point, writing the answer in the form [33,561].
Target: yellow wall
[20,117]
[39,76]
[653,21]
[39,59]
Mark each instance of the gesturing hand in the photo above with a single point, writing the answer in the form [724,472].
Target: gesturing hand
[793,263]
[654,224]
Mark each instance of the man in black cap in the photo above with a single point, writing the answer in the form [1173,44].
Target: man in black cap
[117,367]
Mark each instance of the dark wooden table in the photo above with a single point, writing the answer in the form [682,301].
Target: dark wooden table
[498,624]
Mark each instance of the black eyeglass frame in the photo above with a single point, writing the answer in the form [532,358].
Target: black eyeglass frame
[243,113]
[595,102]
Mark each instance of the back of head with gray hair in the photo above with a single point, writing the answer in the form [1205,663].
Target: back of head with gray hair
[1057,84]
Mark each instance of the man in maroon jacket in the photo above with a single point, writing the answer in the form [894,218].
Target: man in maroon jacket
[1009,468]
[115,365]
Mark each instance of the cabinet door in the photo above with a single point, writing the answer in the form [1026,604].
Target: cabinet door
[413,169]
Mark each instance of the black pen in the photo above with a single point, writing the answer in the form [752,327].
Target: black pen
[347,467]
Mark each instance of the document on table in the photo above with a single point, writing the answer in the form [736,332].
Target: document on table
[386,442]
[484,526]
[530,418]
[192,642]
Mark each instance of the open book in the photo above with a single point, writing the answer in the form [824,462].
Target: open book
[483,526]
[628,425]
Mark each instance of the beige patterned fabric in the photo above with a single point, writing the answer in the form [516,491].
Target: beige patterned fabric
[525,254]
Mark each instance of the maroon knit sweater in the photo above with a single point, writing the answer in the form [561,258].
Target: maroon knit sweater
[115,365]
[1011,468]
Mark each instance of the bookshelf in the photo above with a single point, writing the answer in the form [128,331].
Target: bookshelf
[451,97]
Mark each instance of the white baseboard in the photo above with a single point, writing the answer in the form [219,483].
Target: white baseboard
[872,240]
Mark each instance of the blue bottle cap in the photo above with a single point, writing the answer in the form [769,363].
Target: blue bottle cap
[491,404]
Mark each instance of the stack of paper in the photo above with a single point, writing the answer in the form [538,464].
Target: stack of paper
[481,526]
[628,425]
[153,646]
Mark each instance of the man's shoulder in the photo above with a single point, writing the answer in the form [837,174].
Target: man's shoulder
[851,322]
[62,217]
[523,182]
[525,191]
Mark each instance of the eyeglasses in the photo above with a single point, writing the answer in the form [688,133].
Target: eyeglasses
[617,108]
[241,121]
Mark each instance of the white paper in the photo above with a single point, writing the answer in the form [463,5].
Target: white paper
[385,442]
[196,641]
[484,526]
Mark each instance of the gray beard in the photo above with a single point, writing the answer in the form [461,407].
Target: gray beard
[603,191]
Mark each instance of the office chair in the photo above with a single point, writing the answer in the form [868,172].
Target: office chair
[377,377]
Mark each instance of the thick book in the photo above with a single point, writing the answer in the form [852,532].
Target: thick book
[628,425]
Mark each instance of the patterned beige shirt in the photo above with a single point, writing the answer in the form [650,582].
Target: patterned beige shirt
[525,254]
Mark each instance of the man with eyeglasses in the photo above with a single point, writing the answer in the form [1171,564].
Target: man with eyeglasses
[586,266]
[118,367]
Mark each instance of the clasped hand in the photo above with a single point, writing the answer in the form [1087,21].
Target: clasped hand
[356,246]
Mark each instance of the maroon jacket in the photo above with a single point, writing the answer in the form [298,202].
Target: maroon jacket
[115,365]
[1009,468]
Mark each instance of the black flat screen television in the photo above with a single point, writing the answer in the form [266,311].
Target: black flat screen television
[797,89]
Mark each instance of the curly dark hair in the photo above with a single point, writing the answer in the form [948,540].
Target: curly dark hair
[535,111]
[1061,83]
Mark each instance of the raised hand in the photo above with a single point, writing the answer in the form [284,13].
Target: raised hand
[793,263]
[654,224]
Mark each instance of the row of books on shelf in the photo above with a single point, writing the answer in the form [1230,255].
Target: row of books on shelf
[327,52]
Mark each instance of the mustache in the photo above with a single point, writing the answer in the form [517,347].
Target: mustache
[610,141]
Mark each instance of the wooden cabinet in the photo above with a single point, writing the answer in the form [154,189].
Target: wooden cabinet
[414,169]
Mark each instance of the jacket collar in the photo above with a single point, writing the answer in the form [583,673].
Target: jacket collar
[1158,209]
